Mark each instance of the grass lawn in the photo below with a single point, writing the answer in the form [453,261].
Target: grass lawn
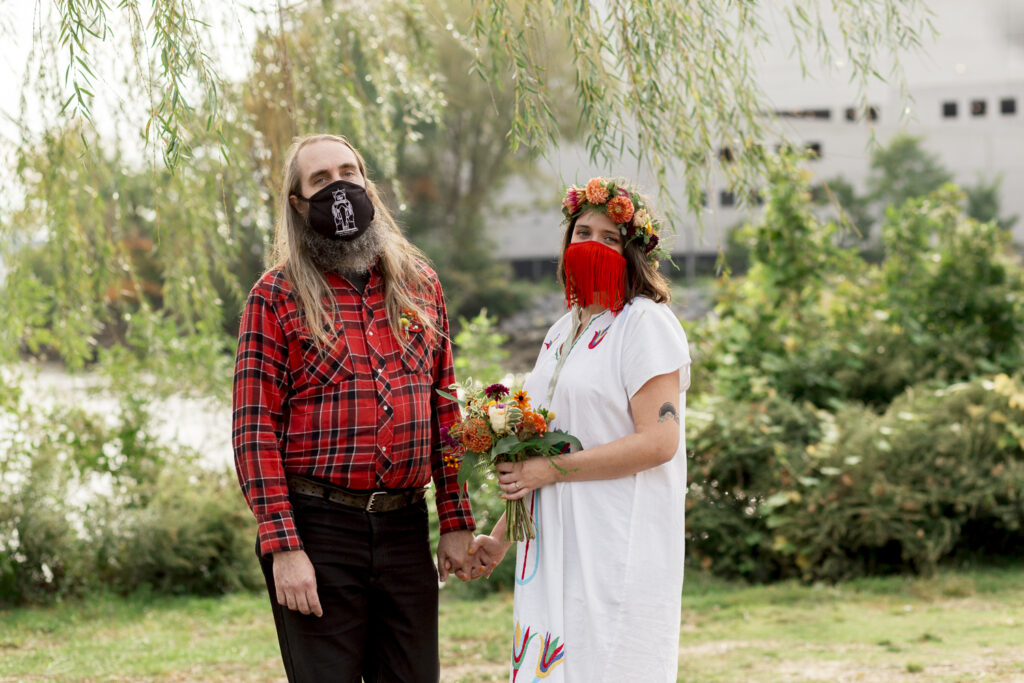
[955,627]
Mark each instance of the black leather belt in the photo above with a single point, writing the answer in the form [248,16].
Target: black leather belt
[371,501]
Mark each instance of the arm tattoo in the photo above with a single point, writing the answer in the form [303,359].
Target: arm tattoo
[667,412]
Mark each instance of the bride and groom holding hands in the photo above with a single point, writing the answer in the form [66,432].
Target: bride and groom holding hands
[337,428]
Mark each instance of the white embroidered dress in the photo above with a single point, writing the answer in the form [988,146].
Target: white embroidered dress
[598,592]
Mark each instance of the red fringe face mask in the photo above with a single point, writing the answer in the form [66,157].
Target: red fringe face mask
[594,274]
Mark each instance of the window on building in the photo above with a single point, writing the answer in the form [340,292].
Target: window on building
[726,198]
[756,198]
[949,110]
[853,114]
[1008,106]
[703,198]
[978,107]
[814,150]
[725,155]
[823,114]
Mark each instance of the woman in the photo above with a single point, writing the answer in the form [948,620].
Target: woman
[598,591]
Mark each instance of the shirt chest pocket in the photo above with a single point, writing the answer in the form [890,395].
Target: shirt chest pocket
[317,367]
[418,357]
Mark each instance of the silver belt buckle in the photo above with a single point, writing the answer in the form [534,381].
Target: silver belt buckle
[373,499]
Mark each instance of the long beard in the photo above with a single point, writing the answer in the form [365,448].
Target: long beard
[340,256]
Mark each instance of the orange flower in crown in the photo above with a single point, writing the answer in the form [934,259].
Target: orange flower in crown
[623,205]
[597,192]
[620,209]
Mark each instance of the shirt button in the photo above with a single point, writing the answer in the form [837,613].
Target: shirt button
[370,333]
[383,449]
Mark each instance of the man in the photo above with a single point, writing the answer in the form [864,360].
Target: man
[336,429]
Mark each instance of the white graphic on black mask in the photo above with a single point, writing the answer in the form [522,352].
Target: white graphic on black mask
[344,216]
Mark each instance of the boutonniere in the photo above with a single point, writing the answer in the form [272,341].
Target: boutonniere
[409,322]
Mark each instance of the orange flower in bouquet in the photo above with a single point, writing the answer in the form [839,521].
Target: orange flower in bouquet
[498,426]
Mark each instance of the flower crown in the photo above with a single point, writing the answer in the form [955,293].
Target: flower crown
[622,204]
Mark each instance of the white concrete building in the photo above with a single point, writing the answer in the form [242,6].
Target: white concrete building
[966,90]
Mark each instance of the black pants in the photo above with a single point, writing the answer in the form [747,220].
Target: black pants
[377,586]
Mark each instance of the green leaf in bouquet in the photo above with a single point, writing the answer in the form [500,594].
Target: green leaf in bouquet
[470,461]
[558,437]
[450,397]
[505,445]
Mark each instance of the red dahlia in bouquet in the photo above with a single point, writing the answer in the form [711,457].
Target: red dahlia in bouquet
[500,426]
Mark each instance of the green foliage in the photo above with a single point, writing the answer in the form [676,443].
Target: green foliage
[771,327]
[92,502]
[450,180]
[100,259]
[842,428]
[781,490]
[815,323]
[638,66]
[903,170]
[670,82]
[478,350]
[899,171]
[193,536]
[983,202]
[853,210]
[742,452]
[941,472]
[316,68]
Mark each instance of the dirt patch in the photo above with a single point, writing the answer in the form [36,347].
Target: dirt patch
[990,665]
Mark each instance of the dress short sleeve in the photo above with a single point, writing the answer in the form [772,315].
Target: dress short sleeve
[655,345]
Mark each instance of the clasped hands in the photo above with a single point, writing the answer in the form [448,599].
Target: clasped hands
[485,552]
[478,557]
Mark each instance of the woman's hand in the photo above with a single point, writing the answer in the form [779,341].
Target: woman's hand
[516,479]
[486,553]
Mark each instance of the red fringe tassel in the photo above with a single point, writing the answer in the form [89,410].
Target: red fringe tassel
[594,274]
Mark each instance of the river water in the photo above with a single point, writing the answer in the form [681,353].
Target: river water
[203,425]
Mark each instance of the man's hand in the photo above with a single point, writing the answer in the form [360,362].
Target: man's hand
[295,582]
[453,554]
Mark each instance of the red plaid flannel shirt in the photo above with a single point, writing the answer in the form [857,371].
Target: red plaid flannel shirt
[365,417]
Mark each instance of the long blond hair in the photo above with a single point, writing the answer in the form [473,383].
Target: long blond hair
[401,264]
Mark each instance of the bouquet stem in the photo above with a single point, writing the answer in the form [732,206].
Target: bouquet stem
[518,521]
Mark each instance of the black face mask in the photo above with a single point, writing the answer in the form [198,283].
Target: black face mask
[340,211]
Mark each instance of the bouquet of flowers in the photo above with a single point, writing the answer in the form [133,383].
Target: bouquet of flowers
[499,426]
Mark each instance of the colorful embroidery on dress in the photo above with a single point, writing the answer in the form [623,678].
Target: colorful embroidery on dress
[551,656]
[519,644]
[598,337]
[522,579]
[547,344]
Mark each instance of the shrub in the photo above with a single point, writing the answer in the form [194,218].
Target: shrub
[88,503]
[195,535]
[781,490]
[896,492]
[817,324]
[742,454]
